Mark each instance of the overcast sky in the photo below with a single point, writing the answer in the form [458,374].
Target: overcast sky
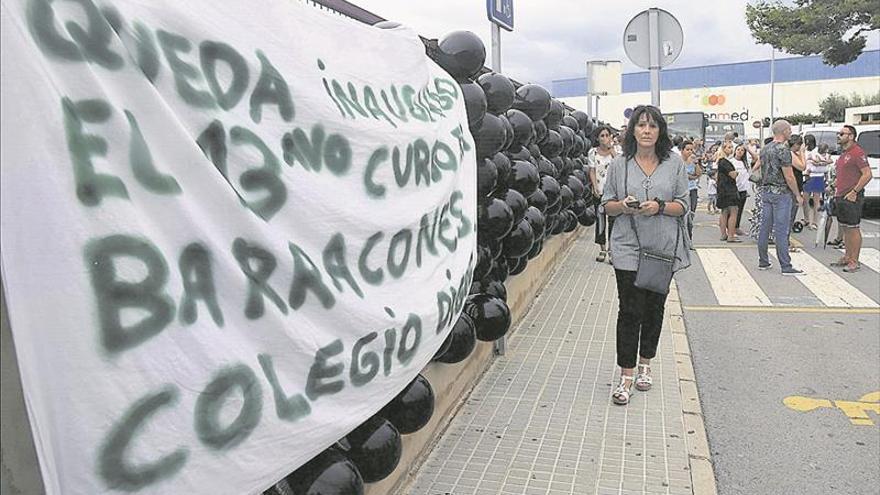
[553,39]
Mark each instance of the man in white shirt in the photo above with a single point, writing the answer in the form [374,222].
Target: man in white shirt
[599,158]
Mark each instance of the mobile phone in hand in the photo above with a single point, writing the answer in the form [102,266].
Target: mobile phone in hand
[633,204]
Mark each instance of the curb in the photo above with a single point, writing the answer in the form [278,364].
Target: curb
[699,455]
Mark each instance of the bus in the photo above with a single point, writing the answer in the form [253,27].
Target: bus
[716,129]
[686,124]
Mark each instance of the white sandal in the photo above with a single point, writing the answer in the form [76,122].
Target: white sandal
[643,378]
[622,392]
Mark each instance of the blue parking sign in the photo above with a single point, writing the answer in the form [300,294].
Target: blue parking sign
[500,12]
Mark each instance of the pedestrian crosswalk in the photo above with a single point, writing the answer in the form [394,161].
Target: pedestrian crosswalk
[722,266]
[736,282]
[827,285]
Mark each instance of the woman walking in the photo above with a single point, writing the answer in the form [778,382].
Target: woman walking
[728,196]
[647,190]
[598,159]
[739,160]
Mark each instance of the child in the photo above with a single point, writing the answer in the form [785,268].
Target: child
[823,153]
[713,195]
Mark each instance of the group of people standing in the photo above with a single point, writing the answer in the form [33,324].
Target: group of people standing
[782,191]
[647,187]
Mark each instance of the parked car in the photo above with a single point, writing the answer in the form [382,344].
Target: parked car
[868,137]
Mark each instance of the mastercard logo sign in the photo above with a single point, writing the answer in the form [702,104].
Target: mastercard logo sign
[712,100]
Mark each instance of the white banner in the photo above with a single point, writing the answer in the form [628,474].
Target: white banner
[232,231]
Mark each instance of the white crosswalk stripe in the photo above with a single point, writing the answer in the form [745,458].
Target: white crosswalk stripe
[827,285]
[869,257]
[731,282]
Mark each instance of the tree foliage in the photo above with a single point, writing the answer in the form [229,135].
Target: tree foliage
[834,28]
[802,118]
[833,107]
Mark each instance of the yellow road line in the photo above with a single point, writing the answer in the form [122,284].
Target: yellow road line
[781,309]
[725,246]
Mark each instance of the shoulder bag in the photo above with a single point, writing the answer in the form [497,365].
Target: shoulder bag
[757,176]
[654,272]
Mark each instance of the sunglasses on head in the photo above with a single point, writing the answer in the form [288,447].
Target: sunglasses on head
[844,134]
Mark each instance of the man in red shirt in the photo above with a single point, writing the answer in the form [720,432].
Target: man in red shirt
[853,173]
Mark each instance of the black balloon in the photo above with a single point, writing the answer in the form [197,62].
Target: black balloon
[495,218]
[328,473]
[571,221]
[517,203]
[588,217]
[517,152]
[462,340]
[517,265]
[576,186]
[474,103]
[524,177]
[554,115]
[484,262]
[566,197]
[551,189]
[532,99]
[499,92]
[489,136]
[412,408]
[508,132]
[581,176]
[561,223]
[523,129]
[567,138]
[570,122]
[536,221]
[487,177]
[500,270]
[581,118]
[552,146]
[490,314]
[559,162]
[502,165]
[374,447]
[538,200]
[519,240]
[578,148]
[540,131]
[578,207]
[546,167]
[461,54]
[537,247]
[497,289]
[554,208]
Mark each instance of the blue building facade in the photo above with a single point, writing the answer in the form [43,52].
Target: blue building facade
[735,74]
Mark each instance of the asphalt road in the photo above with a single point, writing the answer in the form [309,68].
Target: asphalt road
[786,385]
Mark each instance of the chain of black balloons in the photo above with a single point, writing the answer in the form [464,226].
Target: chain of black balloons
[532,185]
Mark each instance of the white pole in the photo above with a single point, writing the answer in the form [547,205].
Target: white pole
[590,89]
[772,84]
[496,48]
[500,345]
[654,57]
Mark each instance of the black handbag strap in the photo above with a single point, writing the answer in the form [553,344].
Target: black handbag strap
[632,220]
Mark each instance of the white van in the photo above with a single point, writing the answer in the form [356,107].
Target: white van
[868,137]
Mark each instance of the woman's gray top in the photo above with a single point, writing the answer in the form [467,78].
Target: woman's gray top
[657,232]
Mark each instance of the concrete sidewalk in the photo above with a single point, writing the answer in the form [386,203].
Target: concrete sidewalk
[540,421]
